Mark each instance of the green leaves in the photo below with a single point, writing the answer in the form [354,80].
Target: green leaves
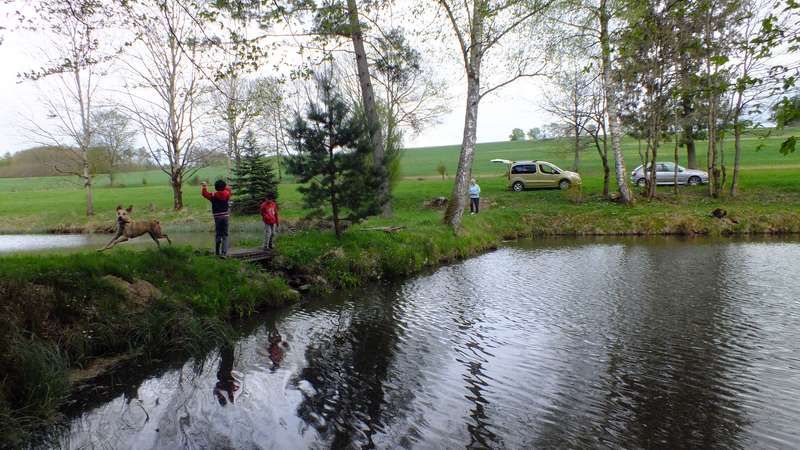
[789,145]
[719,60]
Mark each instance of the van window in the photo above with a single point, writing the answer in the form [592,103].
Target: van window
[524,168]
[548,169]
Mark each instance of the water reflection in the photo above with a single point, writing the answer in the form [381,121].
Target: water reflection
[347,370]
[619,343]
[59,243]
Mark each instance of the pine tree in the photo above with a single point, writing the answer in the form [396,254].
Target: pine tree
[253,178]
[333,159]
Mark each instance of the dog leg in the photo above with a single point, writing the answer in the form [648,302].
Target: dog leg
[114,242]
[167,238]
[153,236]
[111,243]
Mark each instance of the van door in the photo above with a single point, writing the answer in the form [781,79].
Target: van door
[526,173]
[549,176]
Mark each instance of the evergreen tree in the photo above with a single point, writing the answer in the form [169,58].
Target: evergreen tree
[333,159]
[253,178]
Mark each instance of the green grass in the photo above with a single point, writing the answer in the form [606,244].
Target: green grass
[422,162]
[59,312]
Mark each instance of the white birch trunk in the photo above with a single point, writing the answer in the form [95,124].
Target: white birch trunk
[611,109]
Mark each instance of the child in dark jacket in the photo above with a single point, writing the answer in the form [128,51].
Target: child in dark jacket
[221,211]
[269,214]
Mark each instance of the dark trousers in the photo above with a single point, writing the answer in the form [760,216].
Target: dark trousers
[221,235]
[473,205]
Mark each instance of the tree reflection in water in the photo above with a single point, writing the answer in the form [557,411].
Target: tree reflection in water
[668,379]
[348,368]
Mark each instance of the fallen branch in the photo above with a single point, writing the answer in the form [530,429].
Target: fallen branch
[385,229]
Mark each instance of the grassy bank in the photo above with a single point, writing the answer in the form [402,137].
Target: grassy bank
[63,313]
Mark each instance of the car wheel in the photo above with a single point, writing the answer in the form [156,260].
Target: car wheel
[694,181]
[517,186]
[564,185]
[641,182]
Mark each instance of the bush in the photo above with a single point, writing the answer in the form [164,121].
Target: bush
[144,181]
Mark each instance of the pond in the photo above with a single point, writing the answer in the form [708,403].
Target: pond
[61,243]
[658,343]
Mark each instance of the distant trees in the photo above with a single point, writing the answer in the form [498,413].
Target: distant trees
[534,134]
[114,138]
[332,150]
[441,169]
[517,135]
[253,177]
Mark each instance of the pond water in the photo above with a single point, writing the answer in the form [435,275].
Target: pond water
[60,243]
[661,343]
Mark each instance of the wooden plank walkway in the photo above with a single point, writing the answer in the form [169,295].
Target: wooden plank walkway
[250,254]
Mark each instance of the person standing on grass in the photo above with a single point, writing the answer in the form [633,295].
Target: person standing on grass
[269,213]
[221,211]
[474,196]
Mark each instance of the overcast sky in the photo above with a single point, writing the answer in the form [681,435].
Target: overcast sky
[515,106]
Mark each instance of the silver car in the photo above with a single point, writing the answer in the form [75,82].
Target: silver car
[665,174]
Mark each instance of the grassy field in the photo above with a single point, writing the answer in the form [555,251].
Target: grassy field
[769,180]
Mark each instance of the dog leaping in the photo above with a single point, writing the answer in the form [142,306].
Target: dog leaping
[128,229]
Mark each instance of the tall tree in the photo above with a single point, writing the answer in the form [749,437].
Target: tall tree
[716,46]
[603,16]
[368,97]
[74,28]
[333,146]
[647,66]
[482,28]
[166,68]
[753,78]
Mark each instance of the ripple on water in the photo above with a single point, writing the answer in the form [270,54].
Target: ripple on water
[654,344]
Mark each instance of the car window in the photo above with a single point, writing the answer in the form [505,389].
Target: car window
[524,168]
[548,169]
[668,167]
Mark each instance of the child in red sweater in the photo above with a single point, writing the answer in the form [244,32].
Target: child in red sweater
[269,213]
[221,211]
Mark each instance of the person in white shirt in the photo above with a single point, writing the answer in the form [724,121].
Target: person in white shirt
[474,196]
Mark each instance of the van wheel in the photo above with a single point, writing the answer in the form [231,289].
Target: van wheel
[564,185]
[641,182]
[694,181]
[517,186]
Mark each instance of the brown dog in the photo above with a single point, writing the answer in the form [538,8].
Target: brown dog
[129,229]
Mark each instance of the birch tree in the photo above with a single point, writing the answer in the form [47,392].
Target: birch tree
[482,29]
[74,29]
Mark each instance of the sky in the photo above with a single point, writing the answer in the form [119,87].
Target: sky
[514,106]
